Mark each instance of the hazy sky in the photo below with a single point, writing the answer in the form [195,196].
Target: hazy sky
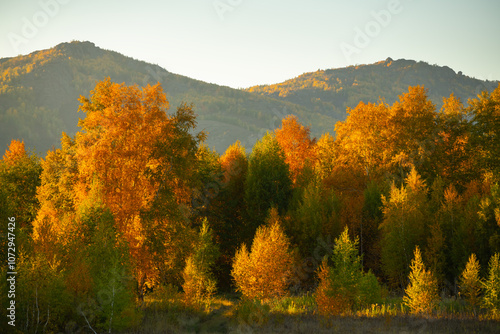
[240,43]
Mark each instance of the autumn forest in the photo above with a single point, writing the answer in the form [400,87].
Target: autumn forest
[136,225]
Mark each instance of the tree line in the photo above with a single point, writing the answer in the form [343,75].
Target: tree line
[401,196]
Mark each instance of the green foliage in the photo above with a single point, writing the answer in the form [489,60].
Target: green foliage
[199,282]
[268,182]
[109,304]
[252,313]
[344,287]
[316,215]
[404,226]
[422,291]
[491,286]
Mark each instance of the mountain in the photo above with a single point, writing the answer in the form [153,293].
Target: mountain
[39,97]
[330,92]
[39,94]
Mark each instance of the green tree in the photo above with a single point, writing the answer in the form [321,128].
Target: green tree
[268,182]
[404,227]
[344,286]
[422,291]
[99,258]
[316,215]
[228,220]
[199,281]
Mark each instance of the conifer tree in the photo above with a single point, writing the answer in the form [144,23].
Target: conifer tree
[421,293]
[344,287]
[491,299]
[470,283]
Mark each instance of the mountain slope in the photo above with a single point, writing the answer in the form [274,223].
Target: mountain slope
[39,94]
[330,92]
[39,97]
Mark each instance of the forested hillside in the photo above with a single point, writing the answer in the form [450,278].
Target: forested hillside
[39,93]
[331,91]
[39,97]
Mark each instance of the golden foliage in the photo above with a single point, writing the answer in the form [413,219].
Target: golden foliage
[470,283]
[421,294]
[265,271]
[15,152]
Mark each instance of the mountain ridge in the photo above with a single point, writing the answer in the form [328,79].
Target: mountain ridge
[342,88]
[39,93]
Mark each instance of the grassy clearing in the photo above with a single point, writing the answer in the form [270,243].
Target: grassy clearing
[165,312]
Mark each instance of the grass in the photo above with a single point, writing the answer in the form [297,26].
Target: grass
[165,312]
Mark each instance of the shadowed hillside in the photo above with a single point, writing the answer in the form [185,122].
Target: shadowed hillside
[39,97]
[39,94]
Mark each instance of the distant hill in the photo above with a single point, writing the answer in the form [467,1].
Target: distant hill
[39,94]
[39,97]
[330,92]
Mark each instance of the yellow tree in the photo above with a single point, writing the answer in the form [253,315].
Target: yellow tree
[470,282]
[143,158]
[455,158]
[411,132]
[57,213]
[265,271]
[361,138]
[19,177]
[324,153]
[422,292]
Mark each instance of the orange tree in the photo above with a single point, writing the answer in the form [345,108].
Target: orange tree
[297,146]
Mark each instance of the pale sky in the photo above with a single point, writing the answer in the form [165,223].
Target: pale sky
[241,43]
